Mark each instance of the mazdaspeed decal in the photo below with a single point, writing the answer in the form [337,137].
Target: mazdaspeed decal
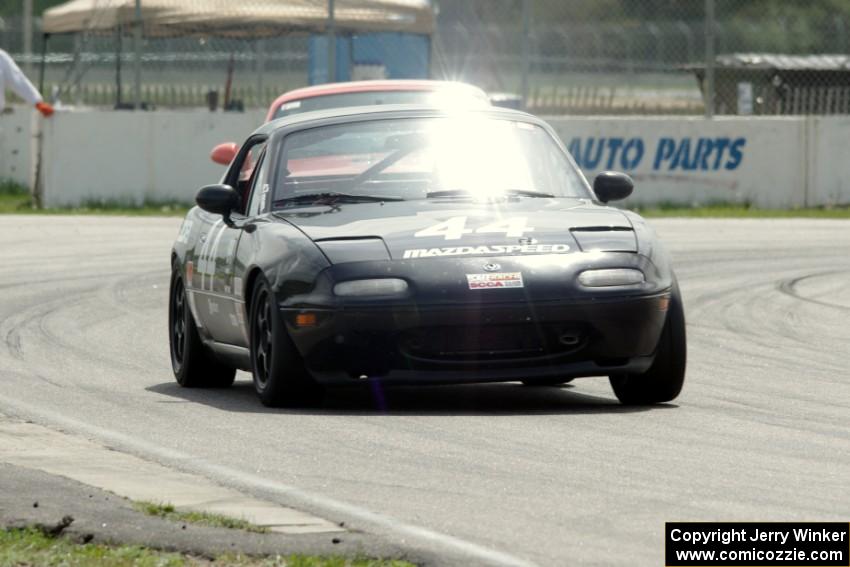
[501,249]
[494,280]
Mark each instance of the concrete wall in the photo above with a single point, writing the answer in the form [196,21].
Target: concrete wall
[17,144]
[827,163]
[164,155]
[135,156]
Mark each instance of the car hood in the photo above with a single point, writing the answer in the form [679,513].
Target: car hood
[445,228]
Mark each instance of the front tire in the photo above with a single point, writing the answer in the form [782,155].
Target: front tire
[665,378]
[280,378]
[193,365]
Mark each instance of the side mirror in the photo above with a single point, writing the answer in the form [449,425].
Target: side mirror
[612,186]
[224,153]
[219,200]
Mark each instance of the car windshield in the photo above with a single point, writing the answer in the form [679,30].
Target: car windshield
[432,158]
[440,97]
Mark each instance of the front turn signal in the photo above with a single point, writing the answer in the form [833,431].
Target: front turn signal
[611,277]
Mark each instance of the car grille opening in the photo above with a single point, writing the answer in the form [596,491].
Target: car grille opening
[494,342]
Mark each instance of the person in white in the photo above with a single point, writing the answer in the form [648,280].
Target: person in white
[11,77]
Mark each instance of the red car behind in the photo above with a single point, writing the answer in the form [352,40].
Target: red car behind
[364,93]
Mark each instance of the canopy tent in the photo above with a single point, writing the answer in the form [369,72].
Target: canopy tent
[246,19]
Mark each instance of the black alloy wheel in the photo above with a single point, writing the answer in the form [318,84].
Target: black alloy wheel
[193,364]
[280,377]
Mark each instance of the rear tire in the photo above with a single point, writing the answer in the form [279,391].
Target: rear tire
[665,378]
[280,378]
[547,381]
[193,364]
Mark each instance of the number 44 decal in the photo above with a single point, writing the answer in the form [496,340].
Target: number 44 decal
[455,228]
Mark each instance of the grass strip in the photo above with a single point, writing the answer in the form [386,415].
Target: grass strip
[730,210]
[30,547]
[168,512]
[15,199]
[21,204]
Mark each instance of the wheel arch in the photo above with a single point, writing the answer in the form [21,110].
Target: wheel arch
[248,292]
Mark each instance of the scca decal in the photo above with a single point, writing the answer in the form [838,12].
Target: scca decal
[494,281]
[670,154]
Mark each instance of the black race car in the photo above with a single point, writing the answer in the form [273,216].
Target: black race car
[415,245]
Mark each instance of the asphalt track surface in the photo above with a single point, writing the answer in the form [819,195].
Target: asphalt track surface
[485,474]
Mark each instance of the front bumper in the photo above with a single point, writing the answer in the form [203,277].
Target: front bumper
[416,344]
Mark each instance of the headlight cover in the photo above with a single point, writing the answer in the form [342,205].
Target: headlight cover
[611,277]
[371,287]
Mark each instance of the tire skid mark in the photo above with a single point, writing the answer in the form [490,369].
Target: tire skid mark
[48,281]
[747,410]
[14,323]
[766,350]
[116,292]
[37,315]
[92,354]
[751,312]
[789,287]
[28,377]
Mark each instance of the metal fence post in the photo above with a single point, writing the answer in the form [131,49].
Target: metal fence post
[689,40]
[331,43]
[526,49]
[260,48]
[709,58]
[137,62]
[27,46]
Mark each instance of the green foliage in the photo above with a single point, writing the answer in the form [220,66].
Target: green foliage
[30,547]
[806,13]
[15,203]
[9,187]
[810,12]
[774,26]
[15,7]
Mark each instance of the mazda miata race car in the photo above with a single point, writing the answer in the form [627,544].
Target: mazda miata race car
[416,245]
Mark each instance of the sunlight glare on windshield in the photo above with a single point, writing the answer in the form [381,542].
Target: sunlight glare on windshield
[484,157]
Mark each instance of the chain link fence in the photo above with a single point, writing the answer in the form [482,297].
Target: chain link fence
[649,56]
[567,56]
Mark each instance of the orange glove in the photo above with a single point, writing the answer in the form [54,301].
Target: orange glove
[44,108]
